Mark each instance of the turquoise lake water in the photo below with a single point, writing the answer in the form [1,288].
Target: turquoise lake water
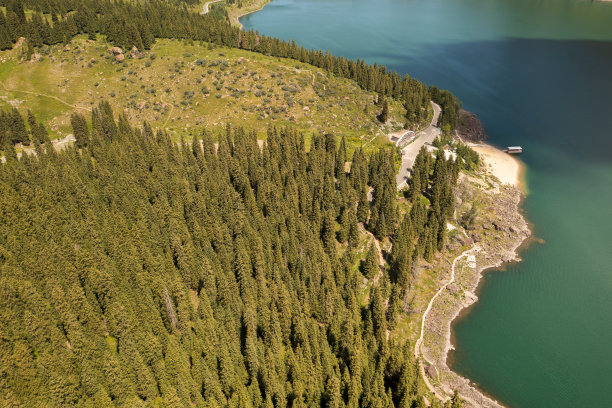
[538,74]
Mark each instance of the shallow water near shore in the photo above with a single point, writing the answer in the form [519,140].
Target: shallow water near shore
[538,74]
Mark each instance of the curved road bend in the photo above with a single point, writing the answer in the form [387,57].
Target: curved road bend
[205,7]
[410,152]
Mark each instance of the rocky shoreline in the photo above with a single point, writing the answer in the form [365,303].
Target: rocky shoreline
[497,231]
[469,127]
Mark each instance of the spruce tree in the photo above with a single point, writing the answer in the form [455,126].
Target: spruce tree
[33,125]
[414,183]
[363,207]
[455,401]
[341,158]
[370,266]
[146,36]
[6,42]
[80,130]
[383,116]
[345,226]
[19,134]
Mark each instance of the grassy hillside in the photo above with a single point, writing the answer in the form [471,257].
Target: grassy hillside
[179,86]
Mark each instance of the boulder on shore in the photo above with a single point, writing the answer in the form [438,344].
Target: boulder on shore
[116,51]
[134,53]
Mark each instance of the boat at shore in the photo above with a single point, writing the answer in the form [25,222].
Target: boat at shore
[514,150]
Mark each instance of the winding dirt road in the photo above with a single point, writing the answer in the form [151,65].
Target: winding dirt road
[44,96]
[419,342]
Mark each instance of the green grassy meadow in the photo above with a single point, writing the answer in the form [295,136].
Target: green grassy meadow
[183,87]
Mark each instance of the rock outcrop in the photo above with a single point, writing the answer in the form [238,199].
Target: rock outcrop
[469,127]
[116,51]
[134,53]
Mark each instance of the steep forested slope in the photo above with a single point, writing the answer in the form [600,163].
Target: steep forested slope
[137,272]
[218,271]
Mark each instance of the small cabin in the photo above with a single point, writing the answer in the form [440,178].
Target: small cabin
[514,150]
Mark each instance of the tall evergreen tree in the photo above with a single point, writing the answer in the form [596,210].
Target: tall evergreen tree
[383,116]
[370,266]
[80,130]
[363,207]
[18,131]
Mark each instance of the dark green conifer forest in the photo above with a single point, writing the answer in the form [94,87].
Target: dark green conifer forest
[139,272]
[214,272]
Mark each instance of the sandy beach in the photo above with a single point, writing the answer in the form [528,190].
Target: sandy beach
[502,165]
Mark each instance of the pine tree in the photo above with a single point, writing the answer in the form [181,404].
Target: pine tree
[9,150]
[19,134]
[353,234]
[455,401]
[363,207]
[34,129]
[134,39]
[146,36]
[43,135]
[80,130]
[370,266]
[341,158]
[383,116]
[345,226]
[6,42]
[15,27]
[414,183]
[328,233]
[16,6]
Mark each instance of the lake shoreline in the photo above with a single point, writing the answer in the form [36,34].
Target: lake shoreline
[503,234]
[465,311]
[235,19]
[510,66]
